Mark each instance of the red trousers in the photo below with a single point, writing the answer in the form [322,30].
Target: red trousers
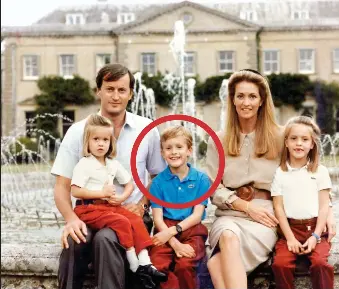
[181,271]
[322,273]
[128,226]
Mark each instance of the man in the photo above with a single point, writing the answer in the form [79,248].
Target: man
[114,88]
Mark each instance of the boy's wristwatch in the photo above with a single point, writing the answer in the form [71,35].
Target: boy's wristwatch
[179,229]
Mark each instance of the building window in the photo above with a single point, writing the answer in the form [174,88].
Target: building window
[249,15]
[336,60]
[306,61]
[123,18]
[189,63]
[31,124]
[67,65]
[101,60]
[67,121]
[30,67]
[226,61]
[187,18]
[271,61]
[75,19]
[300,15]
[148,63]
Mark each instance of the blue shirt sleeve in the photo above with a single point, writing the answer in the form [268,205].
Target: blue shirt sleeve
[156,192]
[204,185]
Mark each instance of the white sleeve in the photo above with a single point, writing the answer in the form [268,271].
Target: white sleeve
[80,175]
[155,164]
[276,187]
[68,154]
[122,175]
[323,178]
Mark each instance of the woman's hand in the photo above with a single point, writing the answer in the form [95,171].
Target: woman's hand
[262,215]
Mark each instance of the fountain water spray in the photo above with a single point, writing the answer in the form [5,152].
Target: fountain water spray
[223,93]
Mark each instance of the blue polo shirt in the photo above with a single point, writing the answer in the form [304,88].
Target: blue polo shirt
[168,187]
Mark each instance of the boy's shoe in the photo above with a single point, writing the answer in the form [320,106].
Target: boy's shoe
[146,282]
[149,270]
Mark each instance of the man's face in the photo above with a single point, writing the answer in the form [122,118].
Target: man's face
[114,96]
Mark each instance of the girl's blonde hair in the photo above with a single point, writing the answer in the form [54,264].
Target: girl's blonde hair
[94,121]
[266,131]
[315,134]
[175,131]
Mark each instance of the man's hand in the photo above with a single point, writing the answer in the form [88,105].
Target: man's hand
[162,237]
[183,250]
[77,229]
[330,226]
[135,208]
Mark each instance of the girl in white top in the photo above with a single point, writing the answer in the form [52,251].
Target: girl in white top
[98,204]
[301,194]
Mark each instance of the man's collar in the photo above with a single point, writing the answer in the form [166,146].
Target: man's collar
[129,118]
[191,176]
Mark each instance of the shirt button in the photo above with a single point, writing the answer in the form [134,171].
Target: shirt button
[246,160]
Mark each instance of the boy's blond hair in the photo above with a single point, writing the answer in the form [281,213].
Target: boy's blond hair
[175,131]
[93,121]
[314,153]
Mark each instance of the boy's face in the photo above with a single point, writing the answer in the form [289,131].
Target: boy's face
[175,152]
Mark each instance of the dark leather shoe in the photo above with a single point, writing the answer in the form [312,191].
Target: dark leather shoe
[149,270]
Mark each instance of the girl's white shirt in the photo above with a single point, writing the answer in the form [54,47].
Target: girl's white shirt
[89,173]
[300,190]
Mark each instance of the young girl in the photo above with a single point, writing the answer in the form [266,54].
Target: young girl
[301,194]
[98,204]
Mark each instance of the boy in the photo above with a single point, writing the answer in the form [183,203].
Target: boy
[179,237]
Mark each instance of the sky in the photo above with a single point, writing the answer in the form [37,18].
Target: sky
[26,12]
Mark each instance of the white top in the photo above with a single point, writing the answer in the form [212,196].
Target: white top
[149,159]
[300,190]
[89,173]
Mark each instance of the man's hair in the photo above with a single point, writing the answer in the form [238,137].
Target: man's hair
[113,72]
[94,121]
[314,153]
[175,131]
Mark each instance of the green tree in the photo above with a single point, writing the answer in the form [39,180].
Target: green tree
[56,93]
[209,89]
[289,88]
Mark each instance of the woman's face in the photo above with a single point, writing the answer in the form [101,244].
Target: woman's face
[247,100]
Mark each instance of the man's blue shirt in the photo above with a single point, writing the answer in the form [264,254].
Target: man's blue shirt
[168,187]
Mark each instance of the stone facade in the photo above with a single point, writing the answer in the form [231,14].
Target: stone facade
[209,31]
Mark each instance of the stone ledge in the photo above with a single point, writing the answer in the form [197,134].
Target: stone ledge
[35,266]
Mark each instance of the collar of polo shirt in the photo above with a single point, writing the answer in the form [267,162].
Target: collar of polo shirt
[95,164]
[128,119]
[289,168]
[191,176]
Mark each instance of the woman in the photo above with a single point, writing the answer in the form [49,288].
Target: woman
[244,233]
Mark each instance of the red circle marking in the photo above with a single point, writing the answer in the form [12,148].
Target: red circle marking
[219,147]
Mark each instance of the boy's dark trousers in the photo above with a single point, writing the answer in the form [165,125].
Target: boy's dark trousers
[181,271]
[322,273]
[108,257]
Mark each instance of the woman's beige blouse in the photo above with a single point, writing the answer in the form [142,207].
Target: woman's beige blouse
[239,171]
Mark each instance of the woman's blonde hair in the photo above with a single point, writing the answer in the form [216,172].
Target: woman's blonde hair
[94,121]
[266,130]
[314,153]
[175,131]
